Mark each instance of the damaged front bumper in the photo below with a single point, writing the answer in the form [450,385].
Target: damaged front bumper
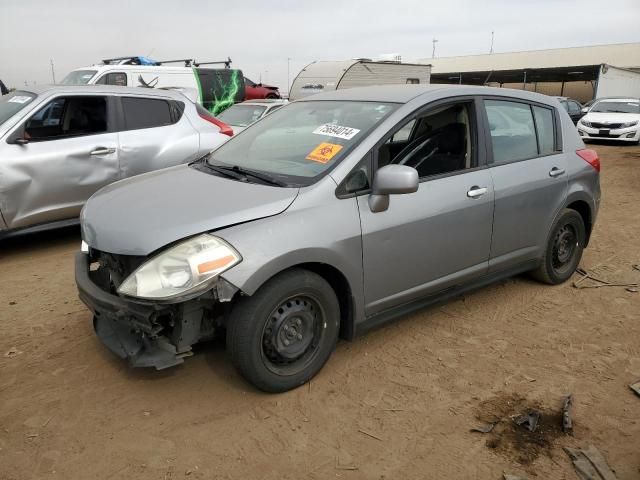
[146,334]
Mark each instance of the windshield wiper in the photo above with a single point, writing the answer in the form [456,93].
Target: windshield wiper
[235,170]
[224,171]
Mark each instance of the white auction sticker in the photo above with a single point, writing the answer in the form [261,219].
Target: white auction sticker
[19,99]
[346,133]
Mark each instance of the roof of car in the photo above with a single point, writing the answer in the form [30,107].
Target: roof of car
[106,89]
[405,93]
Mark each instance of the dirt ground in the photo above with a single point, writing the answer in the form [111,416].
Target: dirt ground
[395,404]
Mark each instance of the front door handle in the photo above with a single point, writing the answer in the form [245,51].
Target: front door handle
[556,172]
[102,151]
[476,192]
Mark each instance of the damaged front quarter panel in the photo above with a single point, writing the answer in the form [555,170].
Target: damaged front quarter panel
[225,291]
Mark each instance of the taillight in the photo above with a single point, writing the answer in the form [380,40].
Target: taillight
[591,157]
[224,128]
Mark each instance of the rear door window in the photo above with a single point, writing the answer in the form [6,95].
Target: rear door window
[146,113]
[68,117]
[513,134]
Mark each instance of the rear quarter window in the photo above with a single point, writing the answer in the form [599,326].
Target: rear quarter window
[146,113]
[545,129]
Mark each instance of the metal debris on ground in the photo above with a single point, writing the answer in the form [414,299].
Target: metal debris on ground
[599,282]
[12,352]
[529,420]
[635,387]
[486,428]
[567,424]
[590,464]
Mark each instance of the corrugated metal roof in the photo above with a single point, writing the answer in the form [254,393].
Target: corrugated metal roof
[626,55]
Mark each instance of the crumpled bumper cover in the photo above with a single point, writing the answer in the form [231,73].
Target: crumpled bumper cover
[124,326]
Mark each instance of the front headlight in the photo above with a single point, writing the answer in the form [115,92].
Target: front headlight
[585,123]
[187,268]
[629,124]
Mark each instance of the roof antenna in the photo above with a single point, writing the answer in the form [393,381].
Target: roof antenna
[433,52]
[491,49]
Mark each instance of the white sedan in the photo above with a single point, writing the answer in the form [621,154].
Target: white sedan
[612,119]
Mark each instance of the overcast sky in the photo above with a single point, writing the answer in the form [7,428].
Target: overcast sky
[260,35]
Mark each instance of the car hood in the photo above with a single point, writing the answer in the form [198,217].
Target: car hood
[139,215]
[602,117]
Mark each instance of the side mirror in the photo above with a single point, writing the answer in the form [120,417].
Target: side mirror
[392,180]
[18,138]
[584,110]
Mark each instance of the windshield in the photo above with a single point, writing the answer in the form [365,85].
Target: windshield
[242,115]
[617,107]
[13,103]
[78,77]
[299,143]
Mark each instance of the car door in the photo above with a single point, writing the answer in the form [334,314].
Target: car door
[529,176]
[437,237]
[57,159]
[154,134]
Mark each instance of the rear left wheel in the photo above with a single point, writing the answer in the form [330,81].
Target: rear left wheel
[281,336]
[564,249]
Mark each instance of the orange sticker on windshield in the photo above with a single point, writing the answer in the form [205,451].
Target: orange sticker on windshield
[324,152]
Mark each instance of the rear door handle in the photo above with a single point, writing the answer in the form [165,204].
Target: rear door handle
[102,151]
[556,172]
[475,192]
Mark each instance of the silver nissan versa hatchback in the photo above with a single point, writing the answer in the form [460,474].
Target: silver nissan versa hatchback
[331,216]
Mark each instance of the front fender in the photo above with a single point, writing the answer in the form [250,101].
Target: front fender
[322,233]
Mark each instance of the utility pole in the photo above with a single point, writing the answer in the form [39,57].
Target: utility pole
[288,74]
[433,52]
[53,71]
[491,49]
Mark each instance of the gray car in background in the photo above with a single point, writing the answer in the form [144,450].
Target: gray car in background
[241,115]
[332,216]
[59,145]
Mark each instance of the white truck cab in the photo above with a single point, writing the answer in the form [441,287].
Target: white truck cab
[215,88]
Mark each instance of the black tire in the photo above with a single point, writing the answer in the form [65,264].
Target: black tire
[564,249]
[272,96]
[281,336]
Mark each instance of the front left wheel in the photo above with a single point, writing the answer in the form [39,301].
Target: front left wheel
[281,336]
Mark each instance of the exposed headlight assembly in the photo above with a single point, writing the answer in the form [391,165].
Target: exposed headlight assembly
[585,123]
[629,124]
[187,268]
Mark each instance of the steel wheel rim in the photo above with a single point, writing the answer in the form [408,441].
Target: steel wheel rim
[565,245]
[292,334]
